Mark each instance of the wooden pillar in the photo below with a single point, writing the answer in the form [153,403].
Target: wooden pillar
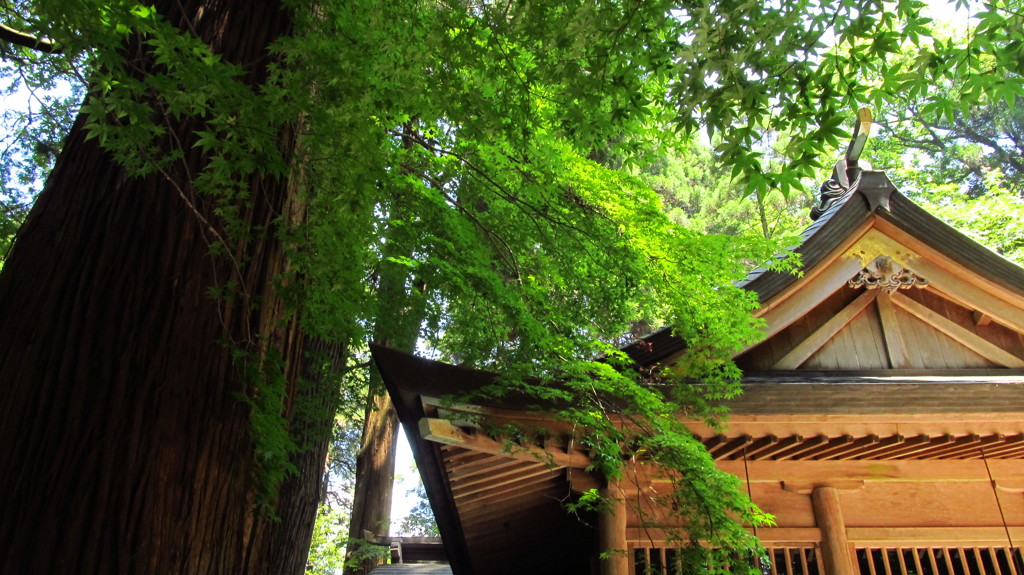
[611,533]
[835,547]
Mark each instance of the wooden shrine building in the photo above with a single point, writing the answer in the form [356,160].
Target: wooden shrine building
[882,420]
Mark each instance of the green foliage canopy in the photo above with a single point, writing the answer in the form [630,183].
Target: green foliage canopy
[481,121]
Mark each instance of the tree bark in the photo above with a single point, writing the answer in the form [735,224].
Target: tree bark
[124,444]
[375,475]
[301,494]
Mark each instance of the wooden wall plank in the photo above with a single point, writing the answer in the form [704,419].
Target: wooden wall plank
[877,339]
[869,342]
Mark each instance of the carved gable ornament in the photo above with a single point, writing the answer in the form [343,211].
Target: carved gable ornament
[885,274]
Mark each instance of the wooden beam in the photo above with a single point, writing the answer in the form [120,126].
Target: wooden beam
[832,445]
[892,334]
[649,536]
[881,424]
[808,487]
[880,447]
[733,446]
[826,266]
[1014,453]
[898,470]
[714,443]
[959,446]
[779,536]
[812,343]
[581,481]
[532,493]
[965,337]
[443,431]
[509,467]
[457,456]
[912,445]
[463,469]
[470,416]
[972,449]
[926,536]
[1009,444]
[761,445]
[813,289]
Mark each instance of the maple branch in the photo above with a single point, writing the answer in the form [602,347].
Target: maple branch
[19,38]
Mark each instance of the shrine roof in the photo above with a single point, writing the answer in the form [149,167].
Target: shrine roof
[842,215]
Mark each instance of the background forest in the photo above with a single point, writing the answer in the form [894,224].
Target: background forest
[210,208]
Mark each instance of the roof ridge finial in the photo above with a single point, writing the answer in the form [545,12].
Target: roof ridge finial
[848,169]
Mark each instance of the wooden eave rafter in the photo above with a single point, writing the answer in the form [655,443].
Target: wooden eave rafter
[920,436]
[445,432]
[501,489]
[641,478]
[470,415]
[499,482]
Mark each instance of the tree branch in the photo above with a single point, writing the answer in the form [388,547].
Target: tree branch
[20,38]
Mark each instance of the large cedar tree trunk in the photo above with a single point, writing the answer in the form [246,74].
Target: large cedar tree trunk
[125,446]
[375,476]
[401,301]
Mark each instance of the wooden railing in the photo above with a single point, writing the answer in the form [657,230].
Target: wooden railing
[940,561]
[794,561]
[805,560]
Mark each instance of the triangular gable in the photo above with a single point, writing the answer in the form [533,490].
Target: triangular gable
[887,286]
[901,340]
